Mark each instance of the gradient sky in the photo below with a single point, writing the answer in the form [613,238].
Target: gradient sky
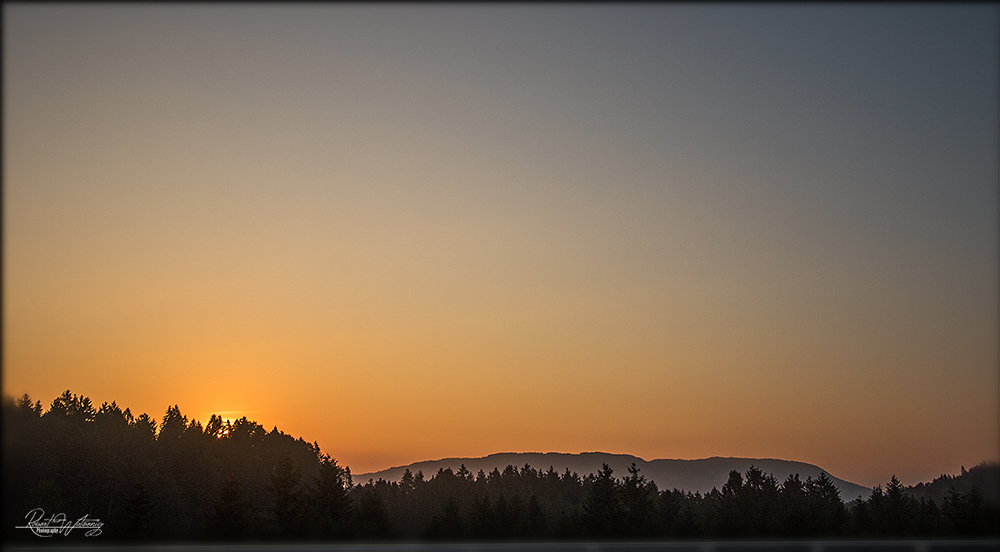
[413,232]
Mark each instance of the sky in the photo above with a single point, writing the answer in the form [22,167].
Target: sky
[410,232]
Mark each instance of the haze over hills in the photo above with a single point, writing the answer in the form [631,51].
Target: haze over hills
[687,475]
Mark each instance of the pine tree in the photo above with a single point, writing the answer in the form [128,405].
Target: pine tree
[231,517]
[639,502]
[285,487]
[330,501]
[603,513]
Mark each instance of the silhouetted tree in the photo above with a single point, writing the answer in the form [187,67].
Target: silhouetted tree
[508,513]
[330,501]
[136,520]
[731,508]
[795,518]
[825,508]
[535,522]
[173,425]
[408,483]
[669,511]
[145,427]
[898,510]
[639,502]
[178,480]
[968,515]
[285,487]
[448,524]
[71,407]
[371,521]
[603,513]
[232,516]
[482,522]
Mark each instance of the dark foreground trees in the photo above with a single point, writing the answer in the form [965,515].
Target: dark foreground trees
[235,481]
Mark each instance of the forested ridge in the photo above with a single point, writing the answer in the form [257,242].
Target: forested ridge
[174,479]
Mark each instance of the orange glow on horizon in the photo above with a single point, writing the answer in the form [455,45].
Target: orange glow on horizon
[404,240]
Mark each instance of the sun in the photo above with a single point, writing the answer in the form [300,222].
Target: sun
[224,430]
[219,426]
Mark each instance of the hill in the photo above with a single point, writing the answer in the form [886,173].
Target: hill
[687,475]
[985,478]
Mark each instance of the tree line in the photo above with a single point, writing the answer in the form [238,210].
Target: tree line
[174,479]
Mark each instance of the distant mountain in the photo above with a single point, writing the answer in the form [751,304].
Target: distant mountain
[687,475]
